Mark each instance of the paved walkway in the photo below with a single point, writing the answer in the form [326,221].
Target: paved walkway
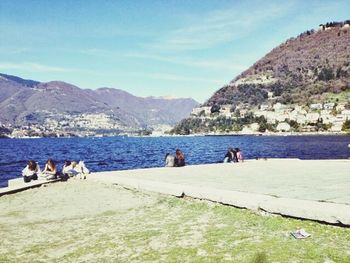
[310,189]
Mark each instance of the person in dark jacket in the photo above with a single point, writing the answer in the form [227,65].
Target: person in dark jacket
[240,157]
[234,155]
[179,159]
[229,155]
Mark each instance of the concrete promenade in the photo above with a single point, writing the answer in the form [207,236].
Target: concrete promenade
[310,189]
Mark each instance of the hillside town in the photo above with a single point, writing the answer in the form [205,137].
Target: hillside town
[277,117]
[65,125]
[283,118]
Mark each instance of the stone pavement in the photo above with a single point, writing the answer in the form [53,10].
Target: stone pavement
[310,189]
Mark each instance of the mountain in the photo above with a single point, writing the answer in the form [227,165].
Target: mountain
[297,71]
[307,74]
[56,103]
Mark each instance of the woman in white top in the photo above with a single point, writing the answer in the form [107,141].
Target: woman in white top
[31,171]
[75,169]
[169,160]
[69,168]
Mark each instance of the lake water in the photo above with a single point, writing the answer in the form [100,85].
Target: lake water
[120,153]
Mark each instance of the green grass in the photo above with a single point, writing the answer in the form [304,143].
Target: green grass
[336,97]
[174,230]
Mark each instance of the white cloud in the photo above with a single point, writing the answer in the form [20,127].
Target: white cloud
[13,51]
[211,64]
[219,27]
[32,67]
[171,77]
[98,52]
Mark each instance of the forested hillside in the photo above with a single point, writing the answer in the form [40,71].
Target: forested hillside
[312,68]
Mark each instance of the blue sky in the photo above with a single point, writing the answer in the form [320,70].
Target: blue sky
[160,48]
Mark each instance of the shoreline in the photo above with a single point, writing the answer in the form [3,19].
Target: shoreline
[277,134]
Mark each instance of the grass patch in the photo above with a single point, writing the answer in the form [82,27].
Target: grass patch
[171,229]
[14,214]
[343,96]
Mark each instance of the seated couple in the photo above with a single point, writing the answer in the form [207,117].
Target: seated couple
[72,168]
[32,171]
[177,161]
[233,155]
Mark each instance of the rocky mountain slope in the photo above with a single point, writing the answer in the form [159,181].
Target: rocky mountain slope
[301,85]
[297,71]
[24,102]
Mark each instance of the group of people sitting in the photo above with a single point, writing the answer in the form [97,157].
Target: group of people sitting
[78,169]
[70,169]
[175,161]
[234,155]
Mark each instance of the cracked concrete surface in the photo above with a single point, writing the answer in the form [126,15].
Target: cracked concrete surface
[310,189]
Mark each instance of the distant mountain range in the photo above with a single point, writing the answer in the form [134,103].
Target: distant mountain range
[29,102]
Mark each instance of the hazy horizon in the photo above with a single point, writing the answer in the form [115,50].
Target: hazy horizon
[150,48]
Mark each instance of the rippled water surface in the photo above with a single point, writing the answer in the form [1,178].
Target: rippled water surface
[120,153]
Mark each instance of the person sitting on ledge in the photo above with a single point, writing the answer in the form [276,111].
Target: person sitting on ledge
[31,171]
[169,160]
[83,170]
[239,154]
[179,159]
[69,168]
[50,171]
[229,156]
[234,155]
[74,169]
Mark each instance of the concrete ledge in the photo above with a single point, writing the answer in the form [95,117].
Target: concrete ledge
[234,198]
[160,187]
[17,182]
[321,211]
[18,185]
[311,189]
[305,209]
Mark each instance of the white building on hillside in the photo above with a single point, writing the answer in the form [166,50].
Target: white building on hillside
[196,111]
[316,106]
[225,110]
[298,108]
[346,113]
[336,127]
[264,107]
[329,106]
[282,117]
[301,119]
[312,117]
[259,113]
[279,106]
[283,127]
[340,107]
